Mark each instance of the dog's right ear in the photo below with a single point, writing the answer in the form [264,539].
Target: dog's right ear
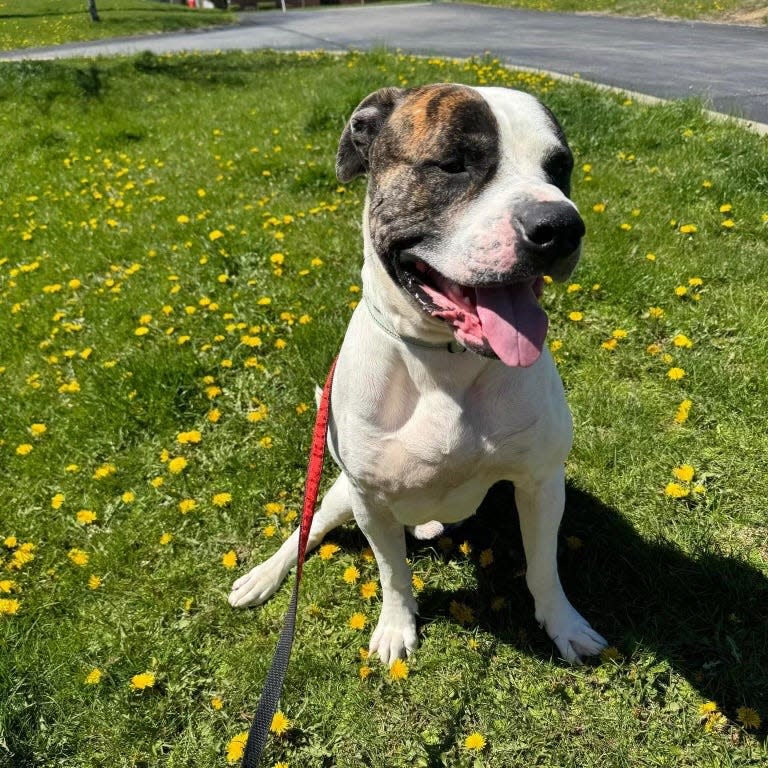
[361,130]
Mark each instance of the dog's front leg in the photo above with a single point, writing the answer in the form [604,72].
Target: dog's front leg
[540,506]
[395,634]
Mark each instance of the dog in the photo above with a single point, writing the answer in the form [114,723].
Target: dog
[443,384]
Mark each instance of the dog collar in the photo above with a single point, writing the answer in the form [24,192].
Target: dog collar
[378,318]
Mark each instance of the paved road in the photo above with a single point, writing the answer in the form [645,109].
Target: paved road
[726,65]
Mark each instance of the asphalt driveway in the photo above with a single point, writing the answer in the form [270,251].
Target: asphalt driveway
[725,65]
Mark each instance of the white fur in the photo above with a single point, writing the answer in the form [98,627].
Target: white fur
[423,433]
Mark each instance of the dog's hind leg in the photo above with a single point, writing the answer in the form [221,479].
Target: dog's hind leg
[259,584]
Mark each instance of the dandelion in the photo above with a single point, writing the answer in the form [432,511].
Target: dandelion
[57,500]
[78,557]
[598,207]
[689,229]
[327,551]
[24,449]
[462,613]
[676,491]
[38,429]
[217,703]
[748,717]
[165,539]
[675,374]
[105,470]
[85,517]
[143,680]
[683,410]
[465,548]
[214,415]
[364,671]
[93,677]
[193,436]
[351,574]
[128,497]
[187,505]
[728,224]
[655,312]
[280,724]
[236,747]
[229,559]
[215,235]
[475,742]
[417,582]
[398,670]
[682,341]
[486,558]
[9,606]
[177,465]
[684,473]
[369,590]
[576,317]
[221,499]
[357,621]
[94,581]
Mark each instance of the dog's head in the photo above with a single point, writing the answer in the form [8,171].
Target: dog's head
[467,207]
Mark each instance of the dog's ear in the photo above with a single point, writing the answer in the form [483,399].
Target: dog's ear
[361,130]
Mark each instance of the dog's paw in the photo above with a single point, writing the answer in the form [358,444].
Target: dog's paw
[571,632]
[256,586]
[430,530]
[395,635]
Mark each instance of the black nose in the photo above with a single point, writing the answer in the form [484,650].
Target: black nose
[551,229]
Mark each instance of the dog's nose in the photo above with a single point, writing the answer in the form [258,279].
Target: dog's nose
[551,229]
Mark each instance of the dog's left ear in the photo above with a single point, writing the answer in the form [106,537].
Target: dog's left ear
[361,130]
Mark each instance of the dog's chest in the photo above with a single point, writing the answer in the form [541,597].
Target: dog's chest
[434,455]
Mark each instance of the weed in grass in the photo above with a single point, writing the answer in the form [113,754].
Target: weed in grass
[177,270]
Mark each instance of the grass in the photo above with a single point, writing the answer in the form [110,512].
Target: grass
[52,22]
[178,258]
[750,11]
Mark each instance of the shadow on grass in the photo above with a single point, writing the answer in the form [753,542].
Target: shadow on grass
[706,614]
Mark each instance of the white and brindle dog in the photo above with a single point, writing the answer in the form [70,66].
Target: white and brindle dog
[443,384]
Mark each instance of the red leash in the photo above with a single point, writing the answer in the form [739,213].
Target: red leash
[262,720]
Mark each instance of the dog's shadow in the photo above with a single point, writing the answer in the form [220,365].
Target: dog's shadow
[706,614]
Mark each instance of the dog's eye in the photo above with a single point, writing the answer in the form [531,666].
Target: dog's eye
[558,167]
[452,165]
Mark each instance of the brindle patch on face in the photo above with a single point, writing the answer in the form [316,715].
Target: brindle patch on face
[438,150]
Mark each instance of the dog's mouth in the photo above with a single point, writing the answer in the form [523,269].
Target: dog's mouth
[504,320]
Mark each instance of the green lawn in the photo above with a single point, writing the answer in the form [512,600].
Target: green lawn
[32,23]
[178,266]
[739,11]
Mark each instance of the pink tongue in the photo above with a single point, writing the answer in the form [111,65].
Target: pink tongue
[513,322]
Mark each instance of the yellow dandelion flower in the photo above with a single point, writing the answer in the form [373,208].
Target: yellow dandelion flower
[165,538]
[38,429]
[93,677]
[748,717]
[327,551]
[217,703]
[417,582]
[573,288]
[369,590]
[85,516]
[689,229]
[682,341]
[7,585]
[728,224]
[398,670]
[177,465]
[128,497]
[683,410]
[94,581]
[684,473]
[229,559]
[364,671]
[351,574]
[9,606]
[465,548]
[221,499]
[676,491]
[216,234]
[57,501]
[280,724]
[695,282]
[187,505]
[681,291]
[156,482]
[214,415]
[675,373]
[236,747]
[357,621]
[610,344]
[105,470]
[193,436]
[576,317]
[142,680]
[475,742]
[24,449]
[598,207]
[78,557]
